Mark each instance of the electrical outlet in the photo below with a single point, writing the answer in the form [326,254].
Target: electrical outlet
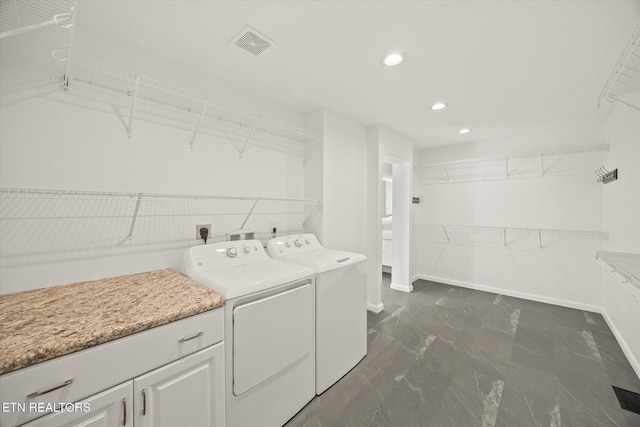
[199,226]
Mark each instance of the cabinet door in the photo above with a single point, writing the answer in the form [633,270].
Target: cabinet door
[111,408]
[188,392]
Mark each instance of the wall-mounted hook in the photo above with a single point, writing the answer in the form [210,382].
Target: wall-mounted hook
[606,176]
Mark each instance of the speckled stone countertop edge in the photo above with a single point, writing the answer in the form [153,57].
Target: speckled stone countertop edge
[42,324]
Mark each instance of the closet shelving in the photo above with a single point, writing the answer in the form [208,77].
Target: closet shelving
[625,77]
[625,267]
[47,225]
[38,33]
[530,165]
[154,100]
[500,236]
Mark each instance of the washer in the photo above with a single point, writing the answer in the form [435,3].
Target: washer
[269,329]
[341,303]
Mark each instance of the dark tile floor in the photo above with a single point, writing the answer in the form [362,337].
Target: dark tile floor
[448,356]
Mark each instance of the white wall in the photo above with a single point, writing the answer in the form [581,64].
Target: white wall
[567,197]
[622,220]
[77,140]
[375,190]
[344,183]
[314,175]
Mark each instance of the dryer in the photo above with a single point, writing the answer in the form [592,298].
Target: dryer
[269,329]
[341,303]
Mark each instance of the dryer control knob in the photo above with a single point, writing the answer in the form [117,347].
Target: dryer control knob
[232,252]
[298,242]
[246,249]
[307,241]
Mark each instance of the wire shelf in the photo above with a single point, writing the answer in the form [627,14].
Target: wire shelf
[625,77]
[38,33]
[155,100]
[499,168]
[53,225]
[503,237]
[625,267]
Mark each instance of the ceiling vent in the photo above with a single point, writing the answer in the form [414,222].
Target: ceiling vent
[252,41]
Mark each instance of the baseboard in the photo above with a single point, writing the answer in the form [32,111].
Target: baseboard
[511,293]
[635,364]
[403,288]
[375,308]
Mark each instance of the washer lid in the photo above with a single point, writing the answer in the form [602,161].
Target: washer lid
[322,260]
[239,268]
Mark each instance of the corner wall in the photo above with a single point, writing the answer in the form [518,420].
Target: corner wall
[622,219]
[567,197]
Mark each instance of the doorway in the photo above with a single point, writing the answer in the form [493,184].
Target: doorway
[400,227]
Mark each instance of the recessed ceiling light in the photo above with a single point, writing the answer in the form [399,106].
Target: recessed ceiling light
[394,58]
[464,130]
[438,106]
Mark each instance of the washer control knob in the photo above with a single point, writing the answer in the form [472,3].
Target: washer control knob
[232,252]
[298,242]
[246,249]
[288,244]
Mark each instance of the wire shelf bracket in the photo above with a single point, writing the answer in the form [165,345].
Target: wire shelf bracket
[134,216]
[625,77]
[195,131]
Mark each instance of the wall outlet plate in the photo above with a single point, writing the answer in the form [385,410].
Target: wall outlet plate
[199,226]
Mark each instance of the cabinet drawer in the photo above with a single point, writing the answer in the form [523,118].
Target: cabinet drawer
[98,368]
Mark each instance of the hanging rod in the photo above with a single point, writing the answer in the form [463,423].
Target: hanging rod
[626,73]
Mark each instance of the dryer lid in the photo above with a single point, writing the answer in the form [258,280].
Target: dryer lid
[322,260]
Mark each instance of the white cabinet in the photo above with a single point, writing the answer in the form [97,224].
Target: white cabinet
[182,359]
[111,408]
[188,392]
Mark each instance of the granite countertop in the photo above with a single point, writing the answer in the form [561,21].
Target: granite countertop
[42,324]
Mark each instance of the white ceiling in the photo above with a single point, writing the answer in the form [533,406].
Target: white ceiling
[504,67]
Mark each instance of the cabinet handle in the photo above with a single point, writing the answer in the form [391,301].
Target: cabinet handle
[124,412]
[40,393]
[144,402]
[199,334]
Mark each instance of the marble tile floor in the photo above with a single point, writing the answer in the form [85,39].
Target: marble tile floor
[445,356]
